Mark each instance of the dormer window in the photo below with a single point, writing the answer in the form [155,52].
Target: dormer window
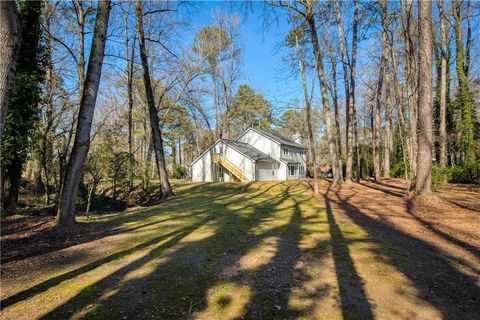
[285,151]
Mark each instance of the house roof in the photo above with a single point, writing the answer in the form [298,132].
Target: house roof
[247,150]
[244,148]
[277,138]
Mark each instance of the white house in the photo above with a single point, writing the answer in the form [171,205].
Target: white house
[254,156]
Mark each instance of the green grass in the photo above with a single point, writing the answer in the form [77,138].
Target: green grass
[214,251]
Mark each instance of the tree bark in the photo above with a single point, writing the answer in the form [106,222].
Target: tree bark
[443,86]
[165,187]
[410,71]
[129,64]
[331,131]
[378,96]
[405,140]
[348,96]
[351,122]
[66,206]
[425,120]
[80,12]
[308,106]
[466,125]
[9,44]
[388,140]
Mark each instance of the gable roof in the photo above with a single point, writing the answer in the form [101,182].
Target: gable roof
[247,150]
[275,137]
[243,148]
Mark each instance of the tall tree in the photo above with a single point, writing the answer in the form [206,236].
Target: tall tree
[66,205]
[465,99]
[298,36]
[165,187]
[211,42]
[425,120]
[25,96]
[443,85]
[378,96]
[349,81]
[410,71]
[129,64]
[352,110]
[9,44]
[309,15]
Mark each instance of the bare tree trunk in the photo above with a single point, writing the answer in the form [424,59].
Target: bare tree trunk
[410,70]
[165,186]
[423,179]
[378,97]
[334,93]
[348,96]
[351,122]
[9,44]
[468,45]
[215,104]
[388,140]
[404,138]
[81,14]
[46,152]
[308,106]
[443,86]
[129,63]
[331,131]
[66,206]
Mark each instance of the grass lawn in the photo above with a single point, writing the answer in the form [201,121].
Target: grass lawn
[260,251]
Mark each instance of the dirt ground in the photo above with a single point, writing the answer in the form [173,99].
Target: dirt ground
[253,251]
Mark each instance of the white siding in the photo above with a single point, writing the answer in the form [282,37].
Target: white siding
[294,155]
[267,170]
[202,169]
[261,143]
[282,171]
[241,162]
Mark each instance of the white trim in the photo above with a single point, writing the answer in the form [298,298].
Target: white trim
[226,144]
[267,137]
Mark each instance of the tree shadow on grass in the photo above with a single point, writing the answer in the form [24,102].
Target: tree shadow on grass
[354,301]
[453,293]
[53,238]
[176,283]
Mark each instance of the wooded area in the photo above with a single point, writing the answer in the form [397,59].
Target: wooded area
[120,122]
[409,110]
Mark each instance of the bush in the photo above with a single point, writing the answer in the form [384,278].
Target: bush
[398,170]
[458,174]
[179,172]
[438,177]
[467,173]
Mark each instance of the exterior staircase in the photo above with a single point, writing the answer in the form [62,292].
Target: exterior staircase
[220,160]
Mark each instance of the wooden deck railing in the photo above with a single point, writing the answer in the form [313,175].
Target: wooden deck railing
[219,159]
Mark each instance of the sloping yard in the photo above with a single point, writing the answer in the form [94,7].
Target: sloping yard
[254,251]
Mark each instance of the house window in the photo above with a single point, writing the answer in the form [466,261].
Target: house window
[285,151]
[292,170]
[302,170]
[220,149]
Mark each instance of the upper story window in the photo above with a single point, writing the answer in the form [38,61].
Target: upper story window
[285,151]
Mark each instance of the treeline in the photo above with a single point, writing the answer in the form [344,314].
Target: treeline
[381,121]
[110,94]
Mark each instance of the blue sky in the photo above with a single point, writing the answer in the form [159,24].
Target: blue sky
[263,68]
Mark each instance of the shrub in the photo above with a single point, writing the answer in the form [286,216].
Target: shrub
[458,174]
[398,170]
[438,177]
[179,172]
[467,173]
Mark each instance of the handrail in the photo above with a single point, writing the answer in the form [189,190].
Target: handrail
[219,159]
